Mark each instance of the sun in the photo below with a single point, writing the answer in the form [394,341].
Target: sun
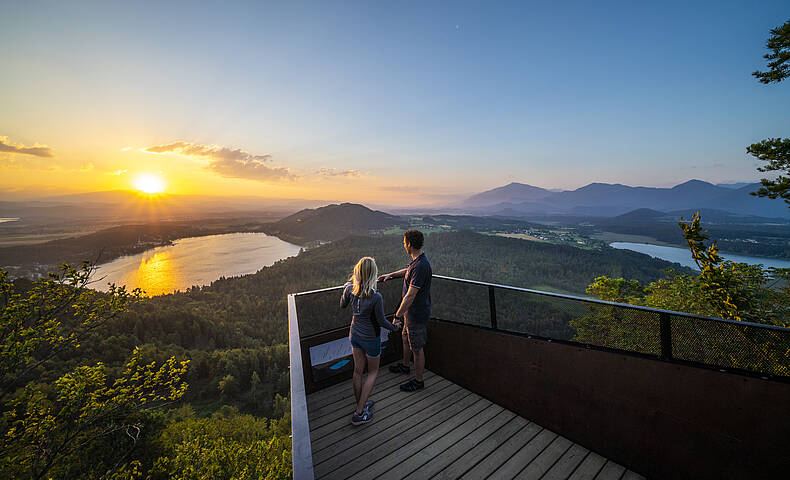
[148,183]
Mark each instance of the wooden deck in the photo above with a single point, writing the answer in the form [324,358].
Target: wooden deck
[443,431]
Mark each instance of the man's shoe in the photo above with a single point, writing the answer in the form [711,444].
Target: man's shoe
[412,385]
[366,416]
[399,368]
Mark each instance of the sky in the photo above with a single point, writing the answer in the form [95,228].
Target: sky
[382,102]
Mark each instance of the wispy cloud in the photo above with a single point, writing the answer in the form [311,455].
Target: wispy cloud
[333,172]
[36,150]
[118,172]
[228,162]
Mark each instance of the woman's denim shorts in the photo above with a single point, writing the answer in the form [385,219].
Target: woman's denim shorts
[372,348]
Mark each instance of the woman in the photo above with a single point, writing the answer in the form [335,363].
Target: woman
[367,308]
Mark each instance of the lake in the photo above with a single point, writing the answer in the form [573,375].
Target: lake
[683,255]
[194,261]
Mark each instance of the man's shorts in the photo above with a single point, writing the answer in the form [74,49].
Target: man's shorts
[416,333]
[372,348]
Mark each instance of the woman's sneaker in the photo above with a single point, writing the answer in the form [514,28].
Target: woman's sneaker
[366,416]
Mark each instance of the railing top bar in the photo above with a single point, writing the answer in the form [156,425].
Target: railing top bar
[320,290]
[582,299]
[614,304]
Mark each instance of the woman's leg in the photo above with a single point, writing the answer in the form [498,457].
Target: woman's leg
[359,367]
[367,387]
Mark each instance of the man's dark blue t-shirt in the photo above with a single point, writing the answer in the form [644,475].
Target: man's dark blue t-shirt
[418,275]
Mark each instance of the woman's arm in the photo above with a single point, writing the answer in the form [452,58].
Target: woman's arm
[381,318]
[346,295]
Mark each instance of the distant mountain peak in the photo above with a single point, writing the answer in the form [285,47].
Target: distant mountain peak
[694,183]
[514,192]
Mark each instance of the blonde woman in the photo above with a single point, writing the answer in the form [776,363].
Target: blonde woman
[367,308]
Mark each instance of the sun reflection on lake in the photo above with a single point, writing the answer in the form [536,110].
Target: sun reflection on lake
[193,261]
[155,274]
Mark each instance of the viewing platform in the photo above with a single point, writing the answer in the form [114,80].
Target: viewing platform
[529,384]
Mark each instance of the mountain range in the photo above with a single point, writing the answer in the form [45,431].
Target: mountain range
[604,199]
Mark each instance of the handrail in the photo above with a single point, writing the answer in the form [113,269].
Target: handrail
[613,304]
[583,299]
[301,451]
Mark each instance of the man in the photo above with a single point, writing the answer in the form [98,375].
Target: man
[415,308]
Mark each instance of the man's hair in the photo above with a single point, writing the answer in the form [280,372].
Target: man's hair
[414,238]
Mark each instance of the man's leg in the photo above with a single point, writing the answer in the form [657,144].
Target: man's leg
[406,348]
[419,364]
[417,338]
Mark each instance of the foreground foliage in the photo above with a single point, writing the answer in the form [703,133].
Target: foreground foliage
[47,428]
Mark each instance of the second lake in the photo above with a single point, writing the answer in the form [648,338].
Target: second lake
[683,255]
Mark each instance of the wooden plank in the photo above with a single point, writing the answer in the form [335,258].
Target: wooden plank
[425,437]
[340,390]
[462,447]
[380,392]
[483,448]
[435,450]
[386,418]
[344,390]
[589,468]
[500,455]
[399,406]
[567,463]
[631,475]
[406,430]
[523,457]
[301,453]
[547,458]
[610,471]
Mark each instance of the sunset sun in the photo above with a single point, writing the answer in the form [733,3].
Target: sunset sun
[148,183]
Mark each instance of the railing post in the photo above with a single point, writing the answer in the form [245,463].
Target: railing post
[666,336]
[492,306]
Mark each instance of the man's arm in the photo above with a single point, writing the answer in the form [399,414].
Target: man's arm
[407,301]
[396,274]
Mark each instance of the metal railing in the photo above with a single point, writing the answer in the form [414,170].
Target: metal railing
[753,348]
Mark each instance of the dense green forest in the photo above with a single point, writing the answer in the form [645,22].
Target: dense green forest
[233,334]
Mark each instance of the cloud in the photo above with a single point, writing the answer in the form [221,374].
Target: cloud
[333,172]
[36,150]
[120,171]
[228,162]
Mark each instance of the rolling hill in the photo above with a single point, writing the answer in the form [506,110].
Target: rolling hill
[331,222]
